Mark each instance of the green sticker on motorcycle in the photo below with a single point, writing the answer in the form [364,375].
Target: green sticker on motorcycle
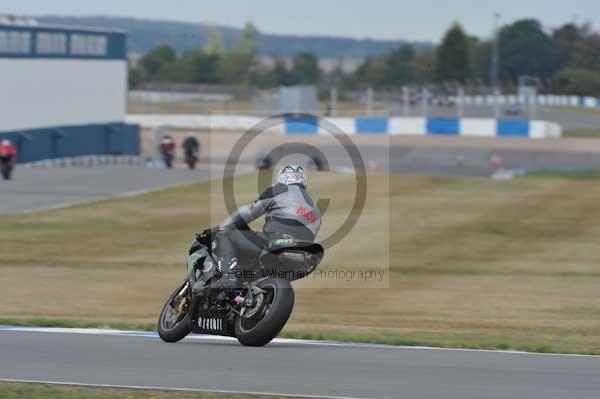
[281,241]
[193,260]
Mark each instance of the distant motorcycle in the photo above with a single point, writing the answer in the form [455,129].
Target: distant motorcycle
[167,150]
[254,313]
[264,162]
[6,167]
[513,110]
[191,150]
[168,159]
[191,159]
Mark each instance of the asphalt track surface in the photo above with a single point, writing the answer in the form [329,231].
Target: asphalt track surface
[42,188]
[292,367]
[458,161]
[476,161]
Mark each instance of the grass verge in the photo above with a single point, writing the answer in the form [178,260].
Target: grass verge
[591,133]
[12,390]
[70,323]
[565,174]
[579,110]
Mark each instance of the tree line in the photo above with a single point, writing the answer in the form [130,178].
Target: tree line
[562,60]
[213,64]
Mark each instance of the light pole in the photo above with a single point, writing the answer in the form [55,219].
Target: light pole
[495,53]
[494,64]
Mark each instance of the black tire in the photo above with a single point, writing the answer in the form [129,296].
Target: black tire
[275,317]
[6,172]
[168,159]
[178,331]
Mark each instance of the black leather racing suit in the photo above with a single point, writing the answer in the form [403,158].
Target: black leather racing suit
[289,210]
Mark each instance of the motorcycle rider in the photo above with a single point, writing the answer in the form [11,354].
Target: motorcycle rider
[290,213]
[8,158]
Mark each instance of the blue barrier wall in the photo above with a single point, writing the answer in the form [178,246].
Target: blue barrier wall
[512,128]
[431,126]
[70,141]
[443,126]
[371,125]
[301,125]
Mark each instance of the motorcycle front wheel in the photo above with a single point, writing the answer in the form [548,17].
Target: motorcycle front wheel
[262,322]
[174,321]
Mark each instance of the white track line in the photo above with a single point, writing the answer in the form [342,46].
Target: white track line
[139,387]
[197,337]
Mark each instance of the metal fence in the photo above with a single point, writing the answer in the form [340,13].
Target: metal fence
[410,101]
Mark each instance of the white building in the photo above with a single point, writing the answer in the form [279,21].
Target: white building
[62,78]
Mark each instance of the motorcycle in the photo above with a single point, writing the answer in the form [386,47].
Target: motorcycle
[191,150]
[191,158]
[254,313]
[6,167]
[264,162]
[168,158]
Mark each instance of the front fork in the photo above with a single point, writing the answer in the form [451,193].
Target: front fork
[181,301]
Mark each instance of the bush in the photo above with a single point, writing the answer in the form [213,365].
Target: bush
[581,82]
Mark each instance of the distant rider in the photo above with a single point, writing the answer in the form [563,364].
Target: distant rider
[290,213]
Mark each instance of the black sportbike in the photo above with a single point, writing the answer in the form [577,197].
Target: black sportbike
[191,158]
[6,167]
[255,312]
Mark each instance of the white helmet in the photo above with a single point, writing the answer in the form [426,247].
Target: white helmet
[292,174]
[5,143]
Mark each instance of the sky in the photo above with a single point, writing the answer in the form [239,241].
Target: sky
[378,19]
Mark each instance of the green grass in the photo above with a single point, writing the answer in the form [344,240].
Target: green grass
[11,390]
[580,110]
[469,263]
[67,323]
[591,133]
[570,174]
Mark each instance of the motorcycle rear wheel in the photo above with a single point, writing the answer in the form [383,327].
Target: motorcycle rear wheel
[173,325]
[6,172]
[262,323]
